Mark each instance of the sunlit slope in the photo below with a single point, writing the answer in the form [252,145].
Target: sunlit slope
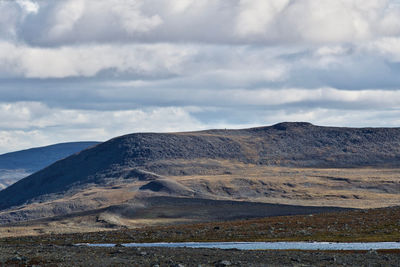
[153,162]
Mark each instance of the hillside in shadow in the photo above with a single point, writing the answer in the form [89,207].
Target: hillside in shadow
[19,164]
[147,161]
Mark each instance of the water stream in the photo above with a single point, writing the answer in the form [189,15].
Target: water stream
[266,245]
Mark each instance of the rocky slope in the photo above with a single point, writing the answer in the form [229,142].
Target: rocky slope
[146,161]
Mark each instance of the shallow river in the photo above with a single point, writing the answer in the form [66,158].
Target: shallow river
[266,245]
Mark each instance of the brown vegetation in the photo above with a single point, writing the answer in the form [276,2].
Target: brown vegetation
[348,226]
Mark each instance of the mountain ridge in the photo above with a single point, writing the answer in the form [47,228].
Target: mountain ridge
[18,159]
[19,164]
[295,144]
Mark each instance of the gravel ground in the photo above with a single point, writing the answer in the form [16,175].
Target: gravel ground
[53,255]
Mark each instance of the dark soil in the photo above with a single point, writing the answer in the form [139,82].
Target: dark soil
[52,255]
[371,225]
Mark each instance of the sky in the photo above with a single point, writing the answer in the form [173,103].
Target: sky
[73,70]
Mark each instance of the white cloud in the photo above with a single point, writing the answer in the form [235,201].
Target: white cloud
[87,61]
[13,140]
[96,69]
[27,124]
[131,17]
[180,6]
[28,6]
[256,17]
[336,117]
[328,21]
[322,21]
[66,17]
[388,47]
[217,21]
[373,99]
[74,21]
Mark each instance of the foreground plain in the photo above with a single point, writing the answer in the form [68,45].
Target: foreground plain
[361,225]
[53,255]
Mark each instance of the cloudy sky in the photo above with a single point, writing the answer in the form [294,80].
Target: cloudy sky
[94,69]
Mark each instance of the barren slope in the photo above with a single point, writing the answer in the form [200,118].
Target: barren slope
[264,165]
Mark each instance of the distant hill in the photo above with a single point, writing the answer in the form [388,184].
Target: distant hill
[148,164]
[283,144]
[19,164]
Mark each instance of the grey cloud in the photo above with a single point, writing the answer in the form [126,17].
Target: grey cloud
[355,74]
[94,95]
[97,69]
[224,22]
[220,67]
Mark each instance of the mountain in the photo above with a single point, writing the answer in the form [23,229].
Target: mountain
[17,165]
[287,163]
